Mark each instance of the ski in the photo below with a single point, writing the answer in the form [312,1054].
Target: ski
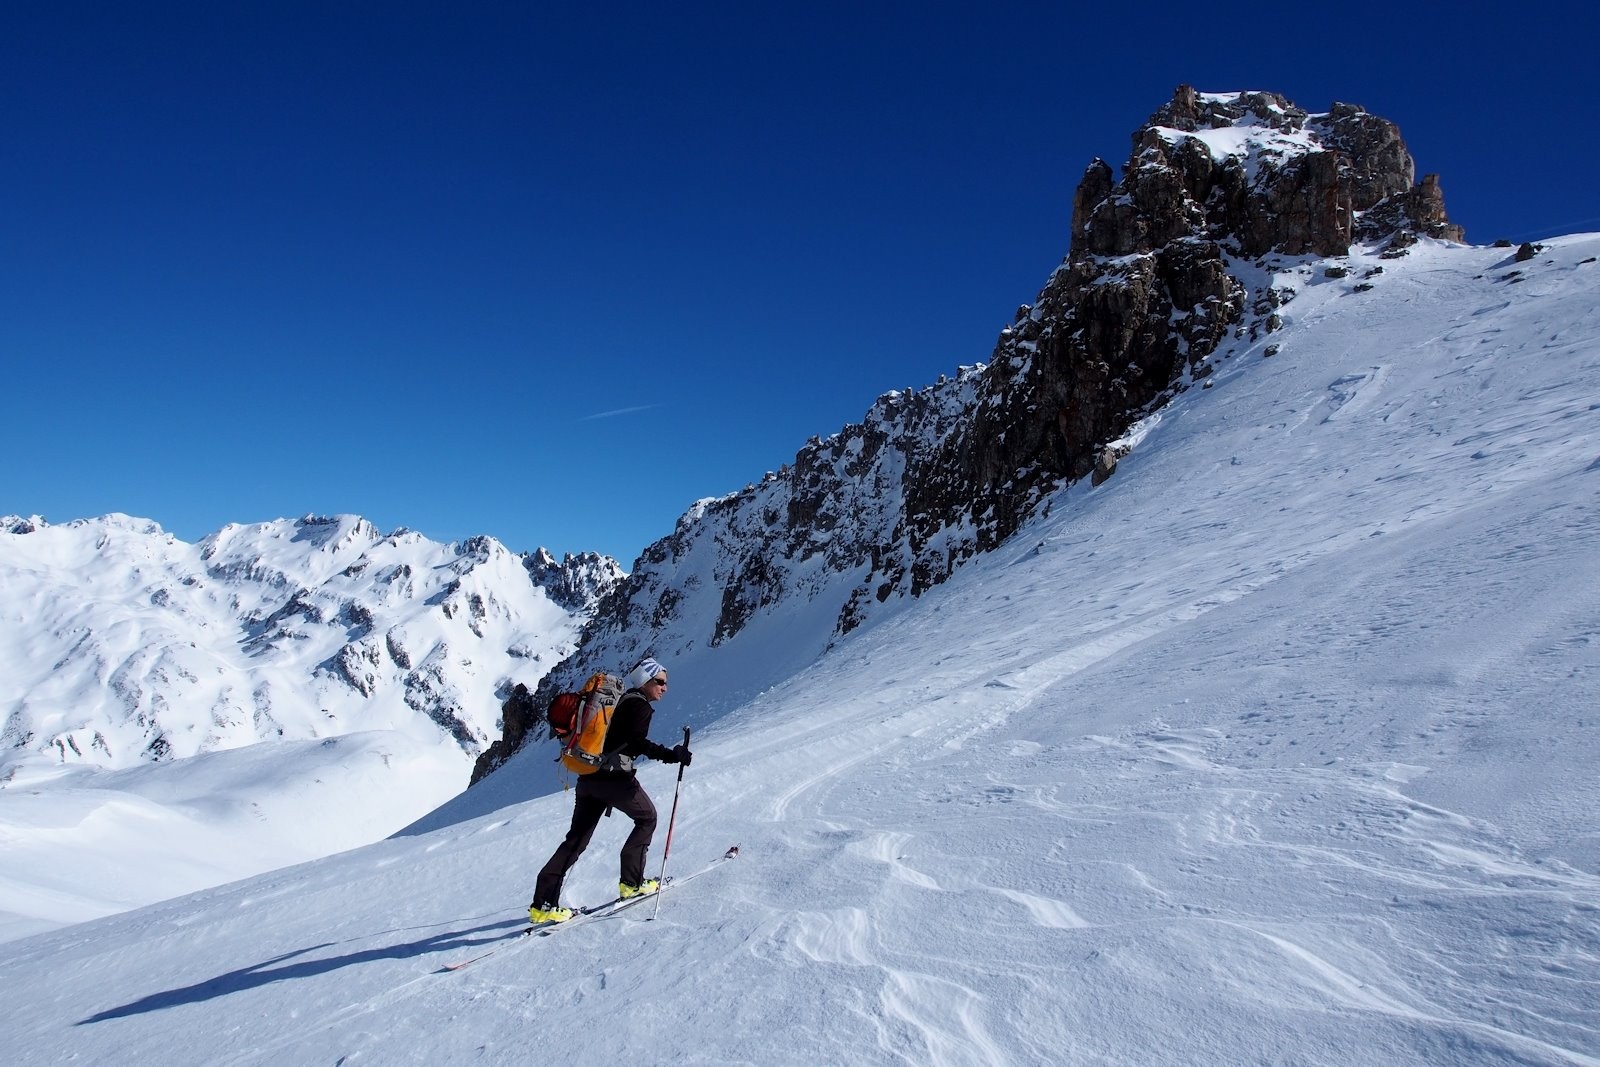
[596,911]
[592,913]
[619,904]
[545,929]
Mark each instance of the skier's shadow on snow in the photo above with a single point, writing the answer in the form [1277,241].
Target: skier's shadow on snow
[269,971]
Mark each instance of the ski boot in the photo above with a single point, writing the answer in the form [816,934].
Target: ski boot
[539,916]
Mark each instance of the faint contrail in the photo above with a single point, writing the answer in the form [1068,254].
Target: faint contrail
[1564,229]
[618,411]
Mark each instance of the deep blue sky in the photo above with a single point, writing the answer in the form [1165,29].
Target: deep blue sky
[263,259]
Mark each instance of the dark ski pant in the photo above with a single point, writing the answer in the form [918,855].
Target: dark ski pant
[594,798]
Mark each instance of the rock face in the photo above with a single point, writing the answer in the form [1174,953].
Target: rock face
[1152,284]
[576,582]
[1156,279]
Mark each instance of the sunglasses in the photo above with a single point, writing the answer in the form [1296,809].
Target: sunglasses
[659,681]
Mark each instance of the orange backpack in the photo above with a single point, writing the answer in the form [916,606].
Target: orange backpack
[580,721]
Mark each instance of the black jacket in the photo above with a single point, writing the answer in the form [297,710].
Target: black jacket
[629,735]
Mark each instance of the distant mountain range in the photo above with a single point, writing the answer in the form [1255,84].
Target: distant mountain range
[125,645]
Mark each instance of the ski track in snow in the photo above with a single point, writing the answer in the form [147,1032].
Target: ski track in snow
[1276,748]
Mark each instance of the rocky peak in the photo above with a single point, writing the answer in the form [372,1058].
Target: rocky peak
[1189,111]
[1260,175]
[1150,288]
[576,582]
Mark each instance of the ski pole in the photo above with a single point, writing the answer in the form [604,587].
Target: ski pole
[666,849]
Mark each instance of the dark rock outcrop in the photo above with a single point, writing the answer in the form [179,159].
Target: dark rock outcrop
[576,582]
[519,717]
[1148,290]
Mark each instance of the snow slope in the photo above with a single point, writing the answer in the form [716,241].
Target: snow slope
[1278,747]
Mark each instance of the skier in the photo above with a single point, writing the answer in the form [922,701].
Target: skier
[598,793]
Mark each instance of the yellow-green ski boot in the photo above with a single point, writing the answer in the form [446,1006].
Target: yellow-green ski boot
[539,916]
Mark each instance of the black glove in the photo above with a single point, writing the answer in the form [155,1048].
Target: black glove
[681,754]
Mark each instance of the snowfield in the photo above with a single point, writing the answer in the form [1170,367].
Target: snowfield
[1278,747]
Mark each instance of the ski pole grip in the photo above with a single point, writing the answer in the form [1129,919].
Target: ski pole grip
[685,745]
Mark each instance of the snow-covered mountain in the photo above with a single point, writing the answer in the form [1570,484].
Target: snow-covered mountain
[125,647]
[130,645]
[1276,747]
[1187,262]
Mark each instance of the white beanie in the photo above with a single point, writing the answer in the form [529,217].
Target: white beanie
[646,670]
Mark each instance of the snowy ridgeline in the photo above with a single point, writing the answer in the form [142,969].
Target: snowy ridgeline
[291,687]
[1276,748]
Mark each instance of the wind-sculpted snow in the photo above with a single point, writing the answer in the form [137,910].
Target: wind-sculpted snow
[1277,747]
